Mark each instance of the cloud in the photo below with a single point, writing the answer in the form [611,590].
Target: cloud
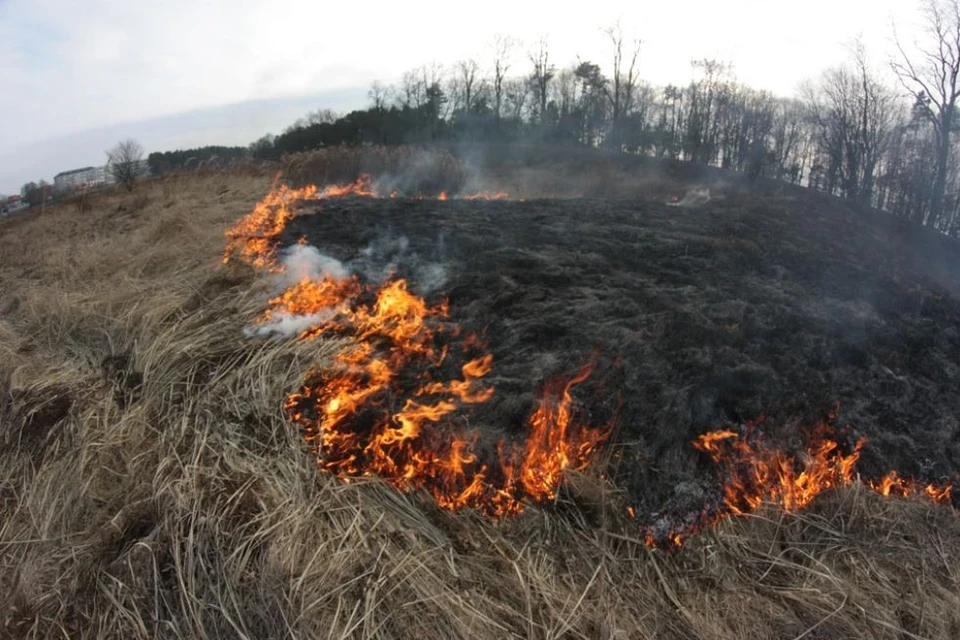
[69,66]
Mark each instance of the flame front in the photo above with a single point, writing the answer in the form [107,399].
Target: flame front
[362,188]
[755,472]
[893,485]
[485,195]
[554,445]
[379,409]
[253,238]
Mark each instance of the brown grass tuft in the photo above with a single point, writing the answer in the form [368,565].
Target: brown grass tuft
[150,486]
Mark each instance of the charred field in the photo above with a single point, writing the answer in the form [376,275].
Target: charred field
[153,484]
[700,317]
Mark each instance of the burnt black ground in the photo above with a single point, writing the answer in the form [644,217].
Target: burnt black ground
[755,303]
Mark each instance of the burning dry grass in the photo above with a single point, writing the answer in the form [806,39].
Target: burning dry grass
[409,169]
[151,486]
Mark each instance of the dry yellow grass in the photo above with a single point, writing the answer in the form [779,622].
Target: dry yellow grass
[150,486]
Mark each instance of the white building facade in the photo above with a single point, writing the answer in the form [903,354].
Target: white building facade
[81,178]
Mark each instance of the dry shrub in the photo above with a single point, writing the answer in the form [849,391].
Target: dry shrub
[151,487]
[409,169]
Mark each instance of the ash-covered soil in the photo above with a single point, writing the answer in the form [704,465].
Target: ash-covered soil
[752,304]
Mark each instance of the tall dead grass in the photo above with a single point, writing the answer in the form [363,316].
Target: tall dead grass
[150,486]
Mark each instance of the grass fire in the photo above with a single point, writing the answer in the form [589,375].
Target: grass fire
[380,412]
[549,404]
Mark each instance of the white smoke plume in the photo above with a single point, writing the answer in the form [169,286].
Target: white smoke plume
[300,262]
[385,256]
[376,263]
[288,325]
[305,262]
[693,198]
[430,277]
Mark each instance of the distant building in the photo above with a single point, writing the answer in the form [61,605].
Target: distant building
[92,177]
[80,178]
[11,204]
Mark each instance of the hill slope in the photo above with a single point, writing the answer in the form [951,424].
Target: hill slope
[151,486]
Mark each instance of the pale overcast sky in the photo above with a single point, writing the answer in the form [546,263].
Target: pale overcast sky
[112,66]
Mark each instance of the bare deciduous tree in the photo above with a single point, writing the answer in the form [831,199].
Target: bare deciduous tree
[502,47]
[468,83]
[701,135]
[379,95]
[123,162]
[515,94]
[877,118]
[323,116]
[543,73]
[932,77]
[621,88]
[853,114]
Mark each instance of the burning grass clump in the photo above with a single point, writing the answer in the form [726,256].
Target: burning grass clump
[409,170]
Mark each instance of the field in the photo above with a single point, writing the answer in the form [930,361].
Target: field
[152,485]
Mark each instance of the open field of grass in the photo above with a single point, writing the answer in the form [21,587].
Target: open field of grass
[151,487]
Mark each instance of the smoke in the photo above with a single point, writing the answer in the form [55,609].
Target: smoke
[693,198]
[287,325]
[305,262]
[423,172]
[300,262]
[386,257]
[430,277]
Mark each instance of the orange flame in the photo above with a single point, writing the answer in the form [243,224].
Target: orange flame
[361,188]
[553,445]
[484,195]
[345,414]
[755,473]
[893,485]
[377,410]
[253,238]
[309,297]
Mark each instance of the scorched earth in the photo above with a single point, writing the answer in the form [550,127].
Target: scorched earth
[650,329]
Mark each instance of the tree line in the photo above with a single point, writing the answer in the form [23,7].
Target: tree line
[161,162]
[851,132]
